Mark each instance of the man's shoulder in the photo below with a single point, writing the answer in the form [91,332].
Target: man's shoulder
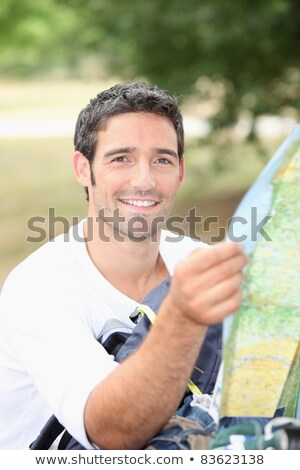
[46,264]
[43,287]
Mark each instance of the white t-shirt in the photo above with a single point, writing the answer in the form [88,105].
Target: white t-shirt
[53,307]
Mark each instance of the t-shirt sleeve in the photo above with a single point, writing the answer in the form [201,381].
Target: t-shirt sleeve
[47,328]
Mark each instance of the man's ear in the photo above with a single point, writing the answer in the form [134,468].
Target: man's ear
[181,171]
[82,169]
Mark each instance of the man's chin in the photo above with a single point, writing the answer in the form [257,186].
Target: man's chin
[138,237]
[153,236]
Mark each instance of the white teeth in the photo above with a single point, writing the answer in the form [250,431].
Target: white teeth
[139,203]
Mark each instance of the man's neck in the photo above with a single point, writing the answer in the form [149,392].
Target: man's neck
[133,267]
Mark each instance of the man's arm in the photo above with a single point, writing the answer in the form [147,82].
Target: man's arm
[134,402]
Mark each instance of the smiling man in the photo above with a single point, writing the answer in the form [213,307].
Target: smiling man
[138,181]
[132,180]
[54,305]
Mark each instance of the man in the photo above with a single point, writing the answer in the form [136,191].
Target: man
[129,157]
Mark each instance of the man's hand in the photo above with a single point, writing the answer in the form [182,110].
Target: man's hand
[206,285]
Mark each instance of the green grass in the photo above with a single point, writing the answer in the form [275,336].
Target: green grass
[56,99]
[231,167]
[35,175]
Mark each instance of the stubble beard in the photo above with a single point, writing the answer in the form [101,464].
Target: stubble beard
[136,228]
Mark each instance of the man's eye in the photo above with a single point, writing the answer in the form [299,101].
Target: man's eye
[120,159]
[164,161]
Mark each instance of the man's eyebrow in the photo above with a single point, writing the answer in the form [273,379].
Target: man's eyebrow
[130,150]
[117,151]
[165,151]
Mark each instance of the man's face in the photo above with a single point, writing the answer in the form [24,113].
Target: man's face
[136,172]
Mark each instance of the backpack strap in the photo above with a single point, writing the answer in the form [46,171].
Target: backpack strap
[64,441]
[48,434]
[146,310]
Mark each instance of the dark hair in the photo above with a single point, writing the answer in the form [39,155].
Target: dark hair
[124,98]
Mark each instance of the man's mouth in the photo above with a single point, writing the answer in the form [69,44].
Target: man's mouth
[139,202]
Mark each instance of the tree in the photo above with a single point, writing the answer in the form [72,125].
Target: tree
[248,49]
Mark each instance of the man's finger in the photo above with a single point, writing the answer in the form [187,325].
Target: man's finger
[225,289]
[218,273]
[203,259]
[224,308]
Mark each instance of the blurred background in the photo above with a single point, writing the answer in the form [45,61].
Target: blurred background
[235,67]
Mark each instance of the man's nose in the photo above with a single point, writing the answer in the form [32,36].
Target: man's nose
[143,178]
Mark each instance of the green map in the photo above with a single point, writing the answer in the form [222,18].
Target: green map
[262,352]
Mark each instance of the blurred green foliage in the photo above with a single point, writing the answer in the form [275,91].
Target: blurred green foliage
[248,49]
